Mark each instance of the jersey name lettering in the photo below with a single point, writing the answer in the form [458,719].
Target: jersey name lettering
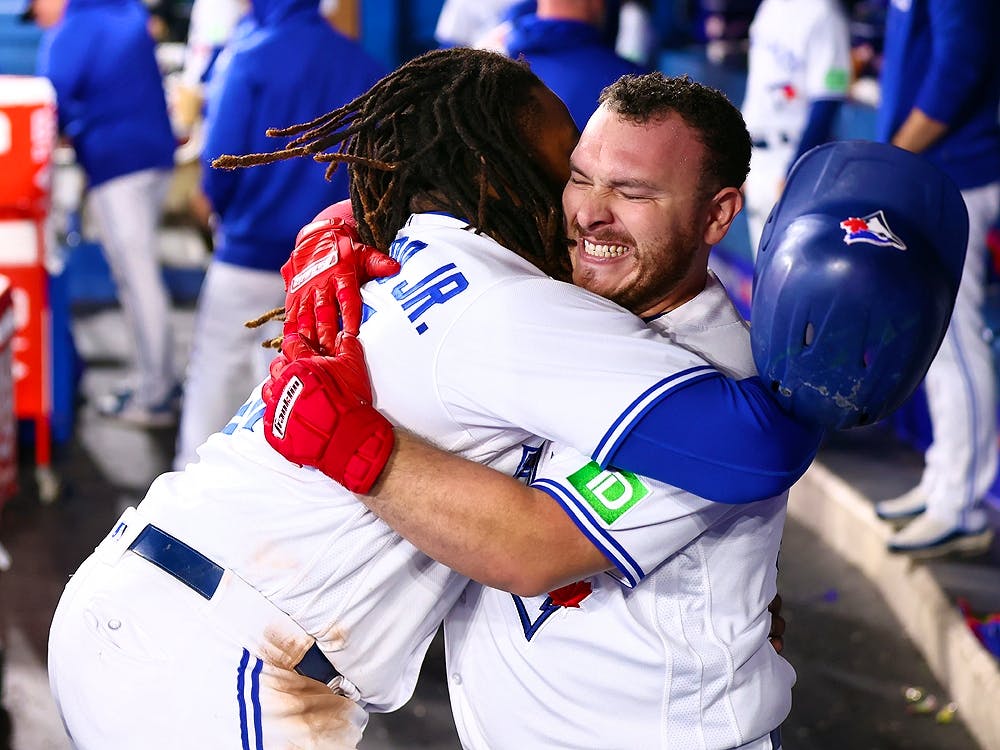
[437,287]
[402,250]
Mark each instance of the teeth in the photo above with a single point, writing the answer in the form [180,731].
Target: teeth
[603,251]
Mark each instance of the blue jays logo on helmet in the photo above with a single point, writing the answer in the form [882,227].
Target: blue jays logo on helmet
[873,229]
[855,281]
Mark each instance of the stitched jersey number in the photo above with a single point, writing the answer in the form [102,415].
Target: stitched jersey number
[246,416]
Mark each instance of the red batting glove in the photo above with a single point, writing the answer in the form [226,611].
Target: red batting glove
[323,278]
[318,412]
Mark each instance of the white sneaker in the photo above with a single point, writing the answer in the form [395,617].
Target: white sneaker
[926,537]
[907,505]
[122,405]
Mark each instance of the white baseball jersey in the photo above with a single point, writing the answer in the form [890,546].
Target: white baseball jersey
[476,350]
[212,23]
[667,650]
[799,53]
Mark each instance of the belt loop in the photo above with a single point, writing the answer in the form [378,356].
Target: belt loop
[122,534]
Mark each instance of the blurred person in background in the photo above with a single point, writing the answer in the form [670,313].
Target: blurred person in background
[566,45]
[212,24]
[477,23]
[798,73]
[940,87]
[100,58]
[625,27]
[291,67]
[722,26]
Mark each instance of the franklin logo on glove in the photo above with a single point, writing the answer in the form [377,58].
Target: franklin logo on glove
[285,404]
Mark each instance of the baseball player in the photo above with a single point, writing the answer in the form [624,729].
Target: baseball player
[101,60]
[251,602]
[566,45]
[681,621]
[798,72]
[940,87]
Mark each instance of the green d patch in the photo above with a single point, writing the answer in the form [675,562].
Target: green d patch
[837,79]
[609,493]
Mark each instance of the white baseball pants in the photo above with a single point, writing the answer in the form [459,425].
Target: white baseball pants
[961,388]
[768,167]
[227,359]
[137,659]
[127,212]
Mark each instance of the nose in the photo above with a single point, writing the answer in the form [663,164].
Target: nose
[594,210]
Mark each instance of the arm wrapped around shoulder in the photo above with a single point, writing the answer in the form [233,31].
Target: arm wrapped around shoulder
[855,281]
[725,440]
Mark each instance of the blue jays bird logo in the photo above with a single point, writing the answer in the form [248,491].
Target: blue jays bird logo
[568,596]
[873,229]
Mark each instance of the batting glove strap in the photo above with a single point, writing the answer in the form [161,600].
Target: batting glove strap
[314,418]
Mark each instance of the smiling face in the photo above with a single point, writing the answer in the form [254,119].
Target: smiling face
[640,223]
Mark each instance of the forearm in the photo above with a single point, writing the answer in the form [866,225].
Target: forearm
[918,132]
[480,522]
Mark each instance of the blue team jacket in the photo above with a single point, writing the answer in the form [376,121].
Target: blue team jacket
[942,57]
[100,59]
[292,67]
[572,58]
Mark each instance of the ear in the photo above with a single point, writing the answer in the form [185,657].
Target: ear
[722,209]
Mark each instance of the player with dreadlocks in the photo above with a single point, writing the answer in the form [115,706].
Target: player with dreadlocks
[430,135]
[257,603]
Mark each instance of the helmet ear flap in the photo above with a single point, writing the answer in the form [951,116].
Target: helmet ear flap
[855,281]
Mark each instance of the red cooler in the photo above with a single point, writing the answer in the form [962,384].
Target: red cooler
[28,131]
[27,138]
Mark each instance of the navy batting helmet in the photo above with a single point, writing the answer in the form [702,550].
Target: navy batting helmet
[855,281]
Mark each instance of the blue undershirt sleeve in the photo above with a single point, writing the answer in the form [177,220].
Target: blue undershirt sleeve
[725,440]
[961,35]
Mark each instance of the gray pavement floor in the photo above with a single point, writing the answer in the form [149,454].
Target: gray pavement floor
[852,657]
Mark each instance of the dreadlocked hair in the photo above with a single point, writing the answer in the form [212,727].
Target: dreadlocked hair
[450,130]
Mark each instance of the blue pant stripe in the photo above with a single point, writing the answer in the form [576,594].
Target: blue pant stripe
[255,699]
[240,684]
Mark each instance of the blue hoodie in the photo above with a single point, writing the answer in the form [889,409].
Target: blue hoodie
[942,57]
[290,69]
[101,61]
[571,57]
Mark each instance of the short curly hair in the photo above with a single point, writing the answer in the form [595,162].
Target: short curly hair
[720,126]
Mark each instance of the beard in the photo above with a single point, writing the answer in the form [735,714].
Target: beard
[658,267]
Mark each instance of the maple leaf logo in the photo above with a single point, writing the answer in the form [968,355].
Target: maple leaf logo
[571,595]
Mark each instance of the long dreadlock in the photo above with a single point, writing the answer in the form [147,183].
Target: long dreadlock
[452,127]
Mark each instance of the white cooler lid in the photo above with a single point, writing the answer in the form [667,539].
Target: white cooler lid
[24,90]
